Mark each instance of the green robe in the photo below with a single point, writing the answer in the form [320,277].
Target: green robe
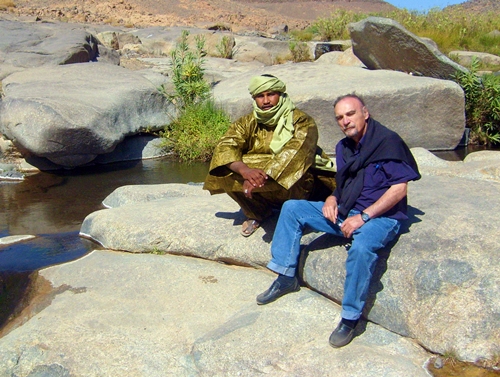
[288,171]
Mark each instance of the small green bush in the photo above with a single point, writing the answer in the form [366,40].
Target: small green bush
[225,47]
[300,51]
[305,35]
[335,26]
[194,134]
[199,123]
[187,73]
[482,104]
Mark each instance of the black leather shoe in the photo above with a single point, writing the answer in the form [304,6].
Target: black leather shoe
[341,336]
[275,291]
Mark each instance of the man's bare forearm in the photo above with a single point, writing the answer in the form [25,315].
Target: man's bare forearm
[390,198]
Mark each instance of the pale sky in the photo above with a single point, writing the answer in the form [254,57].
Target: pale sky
[423,5]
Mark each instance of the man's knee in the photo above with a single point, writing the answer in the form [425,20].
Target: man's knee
[293,206]
[365,254]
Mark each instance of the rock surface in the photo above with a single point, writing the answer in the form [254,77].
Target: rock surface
[465,57]
[9,240]
[70,114]
[382,43]
[37,44]
[426,112]
[439,285]
[117,314]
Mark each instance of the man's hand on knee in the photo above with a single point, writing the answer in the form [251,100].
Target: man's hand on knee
[330,209]
[351,224]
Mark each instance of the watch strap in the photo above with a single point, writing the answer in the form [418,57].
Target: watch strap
[365,217]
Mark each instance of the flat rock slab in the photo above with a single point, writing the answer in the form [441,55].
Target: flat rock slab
[118,314]
[439,283]
[27,45]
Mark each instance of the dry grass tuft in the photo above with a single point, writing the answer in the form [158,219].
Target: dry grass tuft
[7,4]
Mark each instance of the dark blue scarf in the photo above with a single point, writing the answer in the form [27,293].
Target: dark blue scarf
[379,143]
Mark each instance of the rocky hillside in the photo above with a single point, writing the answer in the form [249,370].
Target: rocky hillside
[237,14]
[479,6]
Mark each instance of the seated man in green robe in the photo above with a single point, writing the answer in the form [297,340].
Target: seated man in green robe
[265,157]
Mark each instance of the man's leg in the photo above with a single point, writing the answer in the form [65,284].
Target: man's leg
[295,216]
[272,195]
[361,260]
[261,206]
[256,208]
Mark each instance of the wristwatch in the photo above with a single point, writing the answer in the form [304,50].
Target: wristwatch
[365,217]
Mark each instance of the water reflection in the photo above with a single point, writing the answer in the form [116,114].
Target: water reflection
[461,152]
[53,206]
[42,251]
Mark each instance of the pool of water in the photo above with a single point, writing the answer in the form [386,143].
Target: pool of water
[52,206]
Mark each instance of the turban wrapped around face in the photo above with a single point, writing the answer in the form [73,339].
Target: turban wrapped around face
[260,84]
[280,116]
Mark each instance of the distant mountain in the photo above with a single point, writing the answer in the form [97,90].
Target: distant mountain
[305,1]
[478,6]
[252,14]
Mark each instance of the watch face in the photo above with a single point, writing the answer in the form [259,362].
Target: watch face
[365,217]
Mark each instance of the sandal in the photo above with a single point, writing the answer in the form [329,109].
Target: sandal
[249,227]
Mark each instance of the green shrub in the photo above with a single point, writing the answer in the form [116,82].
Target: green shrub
[199,123]
[305,35]
[300,51]
[225,47]
[187,73]
[335,26]
[194,134]
[482,104]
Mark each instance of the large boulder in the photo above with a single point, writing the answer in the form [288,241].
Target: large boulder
[263,50]
[346,58]
[437,284]
[27,45]
[466,58]
[382,43]
[426,112]
[71,114]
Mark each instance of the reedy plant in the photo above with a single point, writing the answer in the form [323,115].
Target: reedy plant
[451,29]
[482,104]
[225,47]
[335,26]
[199,123]
[187,72]
[300,51]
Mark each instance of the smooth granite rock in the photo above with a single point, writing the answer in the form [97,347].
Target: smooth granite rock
[438,285]
[120,314]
